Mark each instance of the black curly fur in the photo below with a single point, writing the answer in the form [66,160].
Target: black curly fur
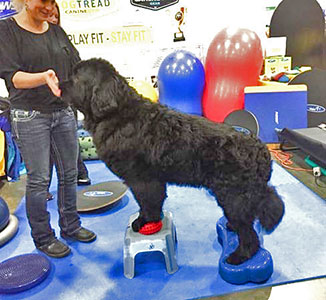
[149,145]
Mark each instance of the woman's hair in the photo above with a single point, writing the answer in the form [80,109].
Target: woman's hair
[19,4]
[57,7]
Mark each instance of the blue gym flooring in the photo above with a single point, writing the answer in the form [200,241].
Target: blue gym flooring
[95,271]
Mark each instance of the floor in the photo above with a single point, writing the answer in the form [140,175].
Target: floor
[305,290]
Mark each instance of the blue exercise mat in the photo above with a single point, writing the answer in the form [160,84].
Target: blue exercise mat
[95,271]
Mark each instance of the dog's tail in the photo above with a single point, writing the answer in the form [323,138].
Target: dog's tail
[270,210]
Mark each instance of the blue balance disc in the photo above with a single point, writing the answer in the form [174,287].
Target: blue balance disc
[4,214]
[257,269]
[23,272]
[181,81]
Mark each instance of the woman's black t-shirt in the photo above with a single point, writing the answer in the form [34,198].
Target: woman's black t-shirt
[22,50]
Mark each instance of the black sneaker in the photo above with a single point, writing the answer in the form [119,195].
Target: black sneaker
[83,180]
[55,249]
[82,235]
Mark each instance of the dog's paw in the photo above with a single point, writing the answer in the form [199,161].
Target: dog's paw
[137,224]
[236,259]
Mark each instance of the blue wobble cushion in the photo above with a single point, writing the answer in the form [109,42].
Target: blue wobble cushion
[23,272]
[257,269]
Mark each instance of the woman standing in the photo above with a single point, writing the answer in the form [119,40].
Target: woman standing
[34,57]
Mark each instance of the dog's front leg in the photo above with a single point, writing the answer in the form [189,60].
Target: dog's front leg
[139,222]
[150,196]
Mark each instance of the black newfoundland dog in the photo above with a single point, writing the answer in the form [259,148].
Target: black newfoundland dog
[149,146]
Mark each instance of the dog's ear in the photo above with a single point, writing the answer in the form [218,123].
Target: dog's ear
[104,98]
[66,91]
[107,95]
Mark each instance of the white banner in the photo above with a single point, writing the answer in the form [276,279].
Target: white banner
[86,9]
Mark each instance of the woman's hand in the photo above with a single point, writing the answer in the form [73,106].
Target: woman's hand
[25,80]
[52,81]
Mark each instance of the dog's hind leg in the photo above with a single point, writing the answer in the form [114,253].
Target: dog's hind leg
[150,196]
[240,216]
[248,244]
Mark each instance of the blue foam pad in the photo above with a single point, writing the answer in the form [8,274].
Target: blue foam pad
[257,269]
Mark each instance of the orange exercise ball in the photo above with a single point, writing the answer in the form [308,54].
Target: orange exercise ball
[234,60]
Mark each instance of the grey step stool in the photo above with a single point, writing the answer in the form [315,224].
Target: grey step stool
[164,241]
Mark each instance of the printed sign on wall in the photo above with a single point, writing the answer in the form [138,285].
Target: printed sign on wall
[152,4]
[6,9]
[114,36]
[87,9]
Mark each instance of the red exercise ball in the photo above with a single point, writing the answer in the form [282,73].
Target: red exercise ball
[234,60]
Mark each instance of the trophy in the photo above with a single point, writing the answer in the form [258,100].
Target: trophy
[179,16]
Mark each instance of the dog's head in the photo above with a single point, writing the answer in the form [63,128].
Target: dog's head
[95,88]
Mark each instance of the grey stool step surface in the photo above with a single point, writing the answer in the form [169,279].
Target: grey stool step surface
[164,241]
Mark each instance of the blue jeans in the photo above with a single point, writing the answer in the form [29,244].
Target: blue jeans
[37,135]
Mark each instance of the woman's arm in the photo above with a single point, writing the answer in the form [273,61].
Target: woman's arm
[24,80]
